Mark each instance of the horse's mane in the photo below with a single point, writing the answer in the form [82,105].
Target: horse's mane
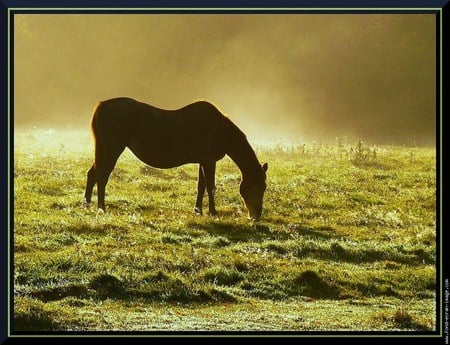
[234,129]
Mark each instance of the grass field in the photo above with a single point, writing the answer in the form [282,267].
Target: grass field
[347,242]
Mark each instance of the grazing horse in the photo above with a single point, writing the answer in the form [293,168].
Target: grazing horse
[197,133]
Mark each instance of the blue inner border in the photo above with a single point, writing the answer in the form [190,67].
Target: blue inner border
[226,4]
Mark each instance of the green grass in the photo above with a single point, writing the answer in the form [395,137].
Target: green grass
[347,242]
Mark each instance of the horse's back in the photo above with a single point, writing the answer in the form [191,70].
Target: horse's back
[115,109]
[160,137]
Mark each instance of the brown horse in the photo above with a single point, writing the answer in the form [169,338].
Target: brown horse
[196,133]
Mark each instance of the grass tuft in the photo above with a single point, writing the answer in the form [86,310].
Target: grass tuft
[223,276]
[310,283]
[107,286]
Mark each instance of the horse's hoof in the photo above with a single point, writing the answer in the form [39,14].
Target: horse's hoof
[100,210]
[86,204]
[198,211]
[213,213]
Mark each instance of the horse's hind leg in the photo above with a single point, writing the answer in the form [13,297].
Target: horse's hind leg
[91,180]
[103,170]
[200,191]
[209,171]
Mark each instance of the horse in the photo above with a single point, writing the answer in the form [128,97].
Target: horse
[196,133]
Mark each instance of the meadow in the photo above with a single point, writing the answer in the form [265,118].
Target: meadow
[347,242]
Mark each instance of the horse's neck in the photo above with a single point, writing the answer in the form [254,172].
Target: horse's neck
[243,155]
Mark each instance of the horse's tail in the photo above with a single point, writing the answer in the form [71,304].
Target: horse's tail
[97,139]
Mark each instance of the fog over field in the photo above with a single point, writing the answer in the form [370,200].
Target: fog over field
[288,77]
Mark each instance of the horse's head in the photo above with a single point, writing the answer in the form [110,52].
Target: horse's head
[252,190]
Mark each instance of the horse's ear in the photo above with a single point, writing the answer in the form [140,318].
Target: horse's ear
[265,166]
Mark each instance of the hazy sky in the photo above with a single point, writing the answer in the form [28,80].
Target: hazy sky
[291,76]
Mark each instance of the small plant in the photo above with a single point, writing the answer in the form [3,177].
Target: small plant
[340,147]
[361,151]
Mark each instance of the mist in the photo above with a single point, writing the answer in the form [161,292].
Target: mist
[290,77]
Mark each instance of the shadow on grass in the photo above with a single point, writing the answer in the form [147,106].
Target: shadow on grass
[157,287]
[307,284]
[58,293]
[235,232]
[160,287]
[335,252]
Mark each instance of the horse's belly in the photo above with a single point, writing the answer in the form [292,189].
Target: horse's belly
[162,160]
[167,157]
[164,148]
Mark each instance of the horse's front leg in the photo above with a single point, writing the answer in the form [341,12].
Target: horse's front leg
[198,209]
[209,172]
